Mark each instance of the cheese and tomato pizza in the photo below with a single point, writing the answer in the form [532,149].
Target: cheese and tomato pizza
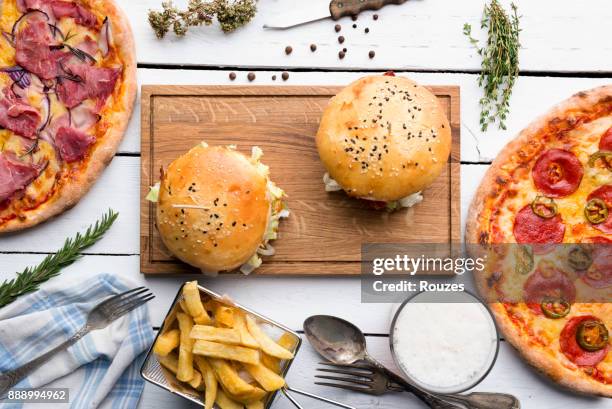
[548,199]
[67,88]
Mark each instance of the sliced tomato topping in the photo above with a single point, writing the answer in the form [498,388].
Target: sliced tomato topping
[529,228]
[603,193]
[557,173]
[573,351]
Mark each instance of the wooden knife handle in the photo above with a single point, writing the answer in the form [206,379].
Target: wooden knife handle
[343,8]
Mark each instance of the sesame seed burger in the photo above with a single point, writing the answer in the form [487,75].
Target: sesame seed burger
[383,139]
[218,209]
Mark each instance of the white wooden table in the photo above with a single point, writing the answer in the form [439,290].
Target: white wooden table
[566,48]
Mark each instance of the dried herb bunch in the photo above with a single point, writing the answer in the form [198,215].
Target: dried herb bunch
[500,61]
[231,14]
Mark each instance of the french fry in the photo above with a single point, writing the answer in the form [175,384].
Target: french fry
[166,342]
[210,381]
[183,306]
[185,362]
[233,383]
[287,341]
[225,402]
[268,380]
[253,396]
[231,352]
[197,382]
[193,303]
[170,362]
[224,335]
[265,342]
[259,404]
[270,362]
[246,338]
[224,316]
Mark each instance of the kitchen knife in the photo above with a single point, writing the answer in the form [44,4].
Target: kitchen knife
[335,10]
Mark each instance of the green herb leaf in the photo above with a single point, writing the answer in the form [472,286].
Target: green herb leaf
[500,61]
[32,277]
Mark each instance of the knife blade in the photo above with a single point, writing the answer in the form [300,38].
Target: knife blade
[335,10]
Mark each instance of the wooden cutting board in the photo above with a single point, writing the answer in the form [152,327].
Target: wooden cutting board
[325,231]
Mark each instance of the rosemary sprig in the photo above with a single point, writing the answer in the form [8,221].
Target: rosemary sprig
[32,277]
[500,61]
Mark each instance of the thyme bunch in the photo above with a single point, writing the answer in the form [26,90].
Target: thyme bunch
[32,277]
[500,61]
[231,14]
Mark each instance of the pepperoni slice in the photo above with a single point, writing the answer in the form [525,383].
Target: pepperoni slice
[573,351]
[604,193]
[599,274]
[605,143]
[548,283]
[529,228]
[557,173]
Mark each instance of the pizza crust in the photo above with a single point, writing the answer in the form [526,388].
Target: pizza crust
[72,191]
[538,358]
[477,224]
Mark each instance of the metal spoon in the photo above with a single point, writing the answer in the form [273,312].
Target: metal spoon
[341,342]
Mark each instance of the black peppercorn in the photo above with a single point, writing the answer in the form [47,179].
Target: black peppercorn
[232,76]
[371,54]
[251,76]
[313,47]
[337,27]
[375,16]
[288,50]
[285,76]
[341,54]
[341,39]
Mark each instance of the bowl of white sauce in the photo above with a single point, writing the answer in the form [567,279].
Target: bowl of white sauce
[445,343]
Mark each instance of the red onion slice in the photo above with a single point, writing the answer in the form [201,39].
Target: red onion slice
[46,105]
[105,40]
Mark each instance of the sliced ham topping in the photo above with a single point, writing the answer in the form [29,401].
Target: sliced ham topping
[14,175]
[90,82]
[557,173]
[72,143]
[573,351]
[604,193]
[605,143]
[18,116]
[529,228]
[80,14]
[61,9]
[33,52]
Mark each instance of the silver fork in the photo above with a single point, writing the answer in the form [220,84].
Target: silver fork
[99,317]
[368,379]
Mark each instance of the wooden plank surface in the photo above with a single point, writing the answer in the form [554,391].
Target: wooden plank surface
[418,35]
[325,231]
[291,299]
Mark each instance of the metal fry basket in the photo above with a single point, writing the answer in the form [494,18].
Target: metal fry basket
[151,369]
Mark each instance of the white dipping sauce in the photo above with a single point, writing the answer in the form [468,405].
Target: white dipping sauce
[444,347]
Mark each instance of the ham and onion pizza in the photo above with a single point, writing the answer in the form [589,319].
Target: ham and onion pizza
[543,218]
[67,88]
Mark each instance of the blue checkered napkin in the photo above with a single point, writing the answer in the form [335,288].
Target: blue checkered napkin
[100,370]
